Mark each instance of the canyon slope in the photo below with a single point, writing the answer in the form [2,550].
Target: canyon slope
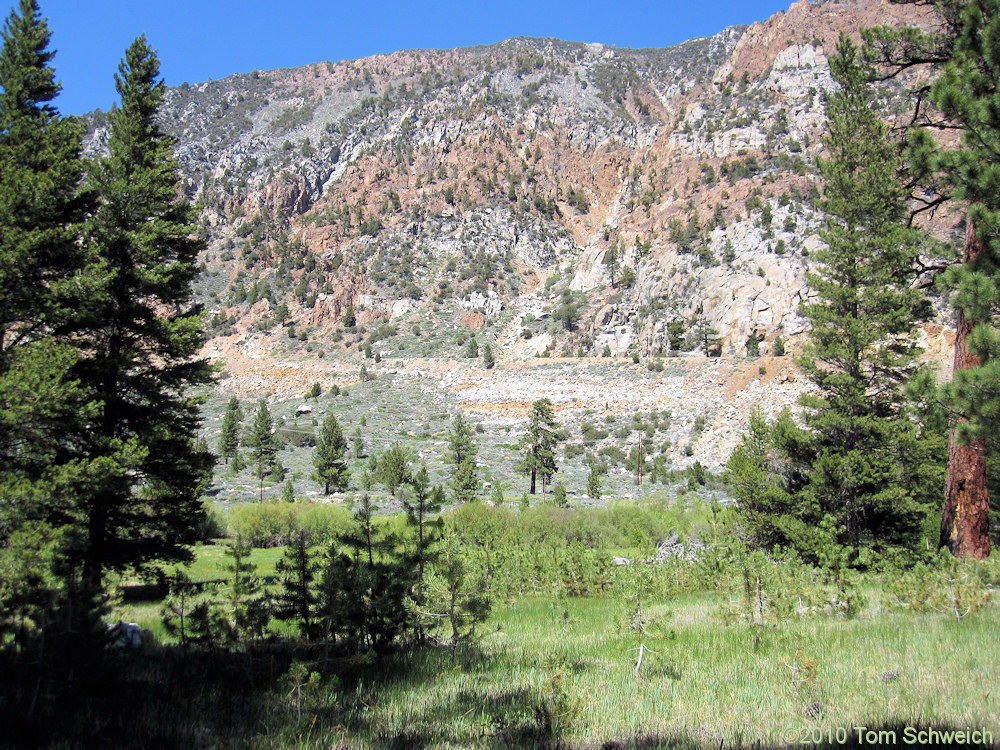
[545,199]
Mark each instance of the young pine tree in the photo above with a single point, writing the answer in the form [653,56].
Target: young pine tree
[539,444]
[297,599]
[250,602]
[328,458]
[229,437]
[421,514]
[472,348]
[366,585]
[261,443]
[454,602]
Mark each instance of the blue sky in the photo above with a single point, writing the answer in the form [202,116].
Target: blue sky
[211,39]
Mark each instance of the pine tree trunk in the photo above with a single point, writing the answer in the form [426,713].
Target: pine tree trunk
[965,528]
[534,466]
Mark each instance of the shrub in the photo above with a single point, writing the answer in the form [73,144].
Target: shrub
[263,525]
[277,524]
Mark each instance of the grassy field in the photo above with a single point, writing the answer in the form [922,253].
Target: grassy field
[542,677]
[553,672]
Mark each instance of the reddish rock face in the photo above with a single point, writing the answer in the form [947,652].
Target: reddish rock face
[404,184]
[473,320]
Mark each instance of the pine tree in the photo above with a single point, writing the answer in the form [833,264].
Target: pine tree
[454,597]
[44,275]
[331,468]
[539,444]
[365,584]
[862,464]
[176,610]
[461,442]
[870,449]
[277,473]
[44,271]
[297,599]
[141,337]
[594,482]
[229,437]
[488,359]
[559,496]
[393,469]
[967,93]
[465,483]
[754,472]
[424,503]
[676,332]
[472,348]
[707,338]
[250,603]
[261,443]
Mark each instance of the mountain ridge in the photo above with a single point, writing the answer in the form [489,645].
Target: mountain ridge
[437,195]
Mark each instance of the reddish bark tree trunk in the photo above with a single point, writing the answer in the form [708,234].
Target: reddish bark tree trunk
[965,527]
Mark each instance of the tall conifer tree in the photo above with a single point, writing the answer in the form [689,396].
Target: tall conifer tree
[967,93]
[863,472]
[142,338]
[539,444]
[261,443]
[43,270]
[461,441]
[966,50]
[43,277]
[862,344]
[41,205]
[229,437]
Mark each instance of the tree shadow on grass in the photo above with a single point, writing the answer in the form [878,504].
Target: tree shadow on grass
[166,697]
[162,697]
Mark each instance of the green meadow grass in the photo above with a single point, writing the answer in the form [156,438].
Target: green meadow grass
[544,678]
[553,671]
[560,672]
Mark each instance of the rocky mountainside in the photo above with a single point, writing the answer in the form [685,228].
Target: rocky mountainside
[500,179]
[545,198]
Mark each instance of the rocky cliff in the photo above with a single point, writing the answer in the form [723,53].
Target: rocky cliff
[558,198]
